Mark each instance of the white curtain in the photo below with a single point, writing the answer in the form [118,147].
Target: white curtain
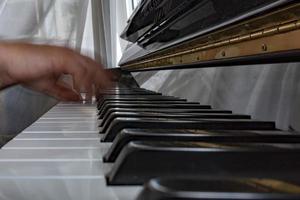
[59,22]
[109,20]
[45,21]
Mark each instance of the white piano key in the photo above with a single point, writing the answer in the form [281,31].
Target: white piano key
[63,105]
[89,113]
[60,105]
[73,127]
[84,106]
[61,132]
[66,115]
[65,123]
[70,113]
[74,112]
[76,103]
[79,106]
[50,155]
[83,109]
[53,169]
[71,108]
[53,144]
[49,136]
[126,192]
[66,119]
[59,157]
[64,189]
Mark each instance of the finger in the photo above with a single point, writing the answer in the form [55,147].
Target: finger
[89,91]
[82,68]
[63,84]
[101,77]
[77,85]
[74,67]
[61,92]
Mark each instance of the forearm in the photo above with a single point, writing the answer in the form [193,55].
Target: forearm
[40,67]
[5,79]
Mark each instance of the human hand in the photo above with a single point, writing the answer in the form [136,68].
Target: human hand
[40,67]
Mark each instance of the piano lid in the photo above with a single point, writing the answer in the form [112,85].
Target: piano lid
[164,20]
[159,25]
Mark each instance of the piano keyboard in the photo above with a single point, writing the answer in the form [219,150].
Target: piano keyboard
[59,157]
[144,135]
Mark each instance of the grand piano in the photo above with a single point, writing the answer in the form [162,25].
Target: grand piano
[133,143]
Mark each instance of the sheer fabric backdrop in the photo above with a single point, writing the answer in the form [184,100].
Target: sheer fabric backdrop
[109,20]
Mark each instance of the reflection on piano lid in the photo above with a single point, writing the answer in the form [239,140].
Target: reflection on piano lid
[191,188]
[224,33]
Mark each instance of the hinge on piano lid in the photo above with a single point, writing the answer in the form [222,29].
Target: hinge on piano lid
[253,41]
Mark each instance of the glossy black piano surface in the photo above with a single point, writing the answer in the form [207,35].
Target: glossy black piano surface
[106,121]
[128,135]
[163,111]
[156,136]
[175,106]
[142,160]
[163,123]
[157,24]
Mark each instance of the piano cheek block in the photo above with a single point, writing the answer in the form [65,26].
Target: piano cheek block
[141,161]
[215,189]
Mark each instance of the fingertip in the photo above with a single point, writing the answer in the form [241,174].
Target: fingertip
[74,98]
[113,75]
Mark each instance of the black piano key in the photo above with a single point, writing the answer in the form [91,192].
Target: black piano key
[210,188]
[166,111]
[126,88]
[140,161]
[129,135]
[116,96]
[105,101]
[136,97]
[153,106]
[100,107]
[140,98]
[100,104]
[122,89]
[160,123]
[129,90]
[106,121]
[128,93]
